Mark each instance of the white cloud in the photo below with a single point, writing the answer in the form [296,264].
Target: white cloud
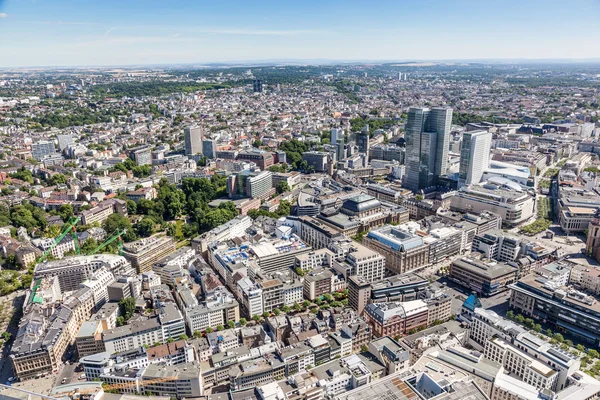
[3,15]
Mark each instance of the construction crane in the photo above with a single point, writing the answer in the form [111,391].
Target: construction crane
[30,393]
[115,236]
[69,228]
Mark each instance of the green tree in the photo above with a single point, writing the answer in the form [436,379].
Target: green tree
[53,231]
[243,322]
[197,334]
[593,353]
[209,330]
[131,207]
[277,312]
[558,337]
[230,324]
[580,348]
[145,227]
[510,314]
[364,349]
[297,307]
[183,337]
[127,307]
[256,317]
[65,211]
[220,328]
[117,222]
[266,314]
[519,318]
[537,328]
[286,309]
[282,187]
[57,179]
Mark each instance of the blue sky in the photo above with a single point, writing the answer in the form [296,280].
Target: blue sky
[126,32]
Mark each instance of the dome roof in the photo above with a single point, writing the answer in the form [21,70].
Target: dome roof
[361,203]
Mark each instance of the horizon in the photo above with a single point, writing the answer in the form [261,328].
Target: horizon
[68,33]
[324,62]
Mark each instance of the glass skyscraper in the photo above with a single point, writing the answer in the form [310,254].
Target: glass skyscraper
[427,138]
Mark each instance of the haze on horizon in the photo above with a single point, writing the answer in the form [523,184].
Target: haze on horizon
[75,33]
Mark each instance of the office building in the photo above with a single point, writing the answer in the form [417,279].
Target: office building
[47,329]
[192,137]
[532,359]
[257,86]
[391,319]
[175,381]
[263,159]
[72,271]
[474,157]
[144,253]
[142,155]
[359,293]
[427,145]
[103,210]
[363,140]
[561,306]
[42,149]
[484,278]
[336,135]
[352,258]
[209,148]
[316,159]
[404,250]
[511,203]
[64,141]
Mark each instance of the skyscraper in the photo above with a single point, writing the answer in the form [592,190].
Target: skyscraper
[192,136]
[474,157]
[336,134]
[209,148]
[427,140]
[362,140]
[257,86]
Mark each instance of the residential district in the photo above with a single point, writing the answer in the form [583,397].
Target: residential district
[301,233]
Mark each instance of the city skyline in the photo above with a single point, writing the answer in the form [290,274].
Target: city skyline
[66,33]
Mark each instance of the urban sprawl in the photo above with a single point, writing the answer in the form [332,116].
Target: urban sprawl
[343,232]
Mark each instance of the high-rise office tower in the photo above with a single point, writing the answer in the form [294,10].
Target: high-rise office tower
[362,140]
[64,141]
[257,86]
[192,136]
[42,148]
[427,140]
[336,134]
[340,150]
[474,157]
[209,148]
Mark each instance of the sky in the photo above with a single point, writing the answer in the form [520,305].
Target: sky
[136,32]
